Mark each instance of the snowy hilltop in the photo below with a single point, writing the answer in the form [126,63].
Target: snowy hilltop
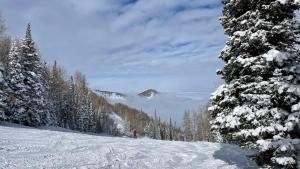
[149,93]
[40,148]
[166,104]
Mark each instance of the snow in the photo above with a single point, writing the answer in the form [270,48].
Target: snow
[111,95]
[246,61]
[115,96]
[285,160]
[275,55]
[219,91]
[23,147]
[240,33]
[286,1]
[296,107]
[264,144]
[283,1]
[151,96]
[118,122]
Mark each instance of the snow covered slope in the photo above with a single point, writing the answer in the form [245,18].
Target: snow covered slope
[112,95]
[36,148]
[166,104]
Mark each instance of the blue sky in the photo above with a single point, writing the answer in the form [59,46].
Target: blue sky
[127,45]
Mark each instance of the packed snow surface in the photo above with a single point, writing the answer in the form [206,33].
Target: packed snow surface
[22,147]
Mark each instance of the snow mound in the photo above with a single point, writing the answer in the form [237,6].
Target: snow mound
[36,148]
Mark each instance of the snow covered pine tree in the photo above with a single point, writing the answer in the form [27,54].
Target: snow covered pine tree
[35,107]
[15,80]
[259,104]
[3,94]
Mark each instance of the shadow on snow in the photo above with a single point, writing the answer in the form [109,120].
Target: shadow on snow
[233,155]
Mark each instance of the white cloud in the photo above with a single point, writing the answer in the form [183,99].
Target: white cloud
[126,38]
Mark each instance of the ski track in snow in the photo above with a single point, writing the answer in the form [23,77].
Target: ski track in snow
[23,147]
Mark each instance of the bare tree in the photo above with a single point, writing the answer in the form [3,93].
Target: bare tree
[2,24]
[203,124]
[5,43]
[187,126]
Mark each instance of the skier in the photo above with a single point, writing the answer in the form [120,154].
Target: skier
[134,133]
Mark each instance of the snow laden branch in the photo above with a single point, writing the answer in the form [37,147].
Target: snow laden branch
[258,106]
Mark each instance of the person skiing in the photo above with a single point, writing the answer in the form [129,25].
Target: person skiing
[134,133]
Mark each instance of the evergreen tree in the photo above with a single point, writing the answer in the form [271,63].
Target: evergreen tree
[15,77]
[85,115]
[71,105]
[92,116]
[58,89]
[46,76]
[4,90]
[258,106]
[32,69]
